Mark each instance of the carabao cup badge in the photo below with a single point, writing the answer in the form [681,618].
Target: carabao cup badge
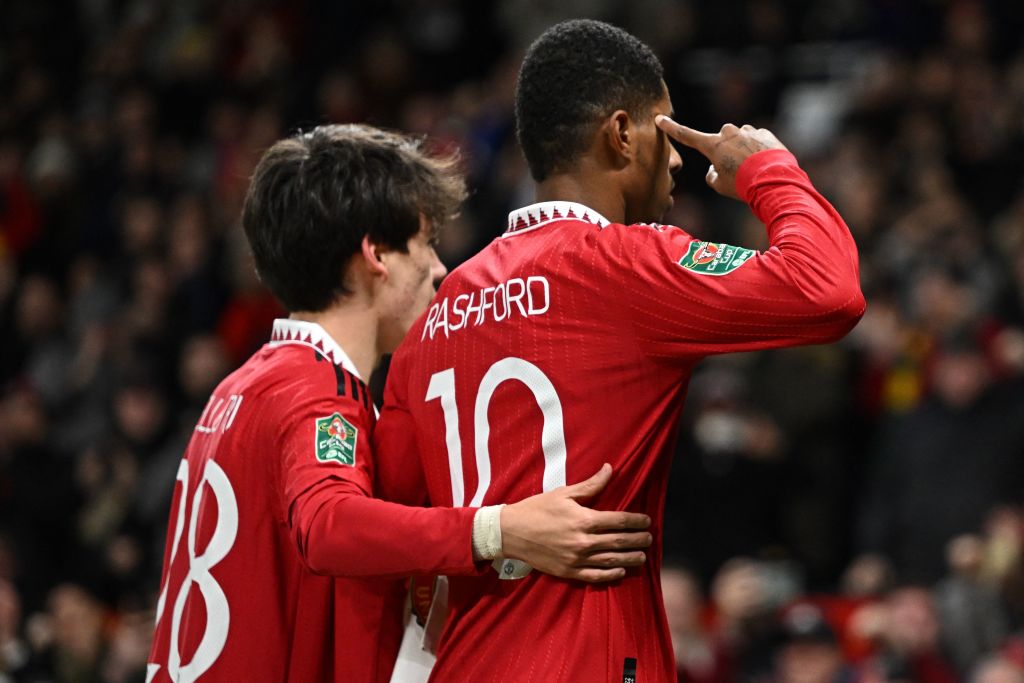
[709,258]
[336,440]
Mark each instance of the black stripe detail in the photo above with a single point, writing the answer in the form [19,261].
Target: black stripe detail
[354,383]
[339,375]
[350,384]
[629,670]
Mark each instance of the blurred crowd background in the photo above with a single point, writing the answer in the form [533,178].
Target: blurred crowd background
[843,513]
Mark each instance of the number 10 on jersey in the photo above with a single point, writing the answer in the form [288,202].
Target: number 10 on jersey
[552,438]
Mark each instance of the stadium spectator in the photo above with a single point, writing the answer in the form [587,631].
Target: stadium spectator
[809,652]
[972,618]
[909,647]
[939,468]
[699,657]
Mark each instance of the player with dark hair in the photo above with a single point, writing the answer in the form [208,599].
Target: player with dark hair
[574,76]
[273,496]
[572,337]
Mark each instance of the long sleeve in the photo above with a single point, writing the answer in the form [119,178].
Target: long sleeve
[325,486]
[340,531]
[688,298]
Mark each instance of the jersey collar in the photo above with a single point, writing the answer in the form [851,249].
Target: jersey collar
[538,215]
[289,331]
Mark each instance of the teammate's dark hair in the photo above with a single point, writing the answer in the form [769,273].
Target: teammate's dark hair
[574,74]
[314,196]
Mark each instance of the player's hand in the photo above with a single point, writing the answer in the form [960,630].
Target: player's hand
[554,534]
[726,149]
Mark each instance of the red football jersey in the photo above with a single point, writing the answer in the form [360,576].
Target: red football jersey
[271,498]
[566,343]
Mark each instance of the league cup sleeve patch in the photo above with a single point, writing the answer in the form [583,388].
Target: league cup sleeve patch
[710,258]
[336,440]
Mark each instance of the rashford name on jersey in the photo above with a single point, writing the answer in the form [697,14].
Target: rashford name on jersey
[528,297]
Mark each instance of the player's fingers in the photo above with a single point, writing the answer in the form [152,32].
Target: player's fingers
[712,176]
[633,540]
[607,559]
[607,520]
[702,142]
[591,487]
[594,575]
[728,130]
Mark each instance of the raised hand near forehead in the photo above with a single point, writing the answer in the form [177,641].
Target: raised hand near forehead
[726,149]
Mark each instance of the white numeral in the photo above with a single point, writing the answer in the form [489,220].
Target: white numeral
[218,613]
[442,386]
[552,439]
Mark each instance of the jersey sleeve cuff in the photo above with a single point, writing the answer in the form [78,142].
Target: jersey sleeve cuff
[758,162]
[487,533]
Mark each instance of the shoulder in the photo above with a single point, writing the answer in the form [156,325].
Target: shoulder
[639,230]
[291,376]
[640,241]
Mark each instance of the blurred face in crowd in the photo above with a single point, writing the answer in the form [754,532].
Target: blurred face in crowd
[682,601]
[739,591]
[140,412]
[38,310]
[960,378]
[77,622]
[997,671]
[912,626]
[203,365]
[808,661]
[867,575]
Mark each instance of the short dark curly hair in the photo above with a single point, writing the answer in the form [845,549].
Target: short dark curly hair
[574,74]
[314,196]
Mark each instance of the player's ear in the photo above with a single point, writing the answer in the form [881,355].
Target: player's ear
[371,254]
[618,137]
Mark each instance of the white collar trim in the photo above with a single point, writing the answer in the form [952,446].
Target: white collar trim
[305,333]
[538,215]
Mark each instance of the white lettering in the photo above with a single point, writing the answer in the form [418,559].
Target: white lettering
[442,319]
[205,424]
[518,297]
[546,298]
[470,308]
[484,304]
[499,295]
[236,403]
[428,326]
[459,311]
[219,414]
[206,414]
[499,302]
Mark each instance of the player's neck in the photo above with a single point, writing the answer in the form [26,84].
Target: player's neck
[353,327]
[591,190]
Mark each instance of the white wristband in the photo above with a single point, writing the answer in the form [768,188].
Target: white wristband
[487,533]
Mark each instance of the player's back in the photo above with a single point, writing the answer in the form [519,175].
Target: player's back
[237,602]
[567,343]
[527,354]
